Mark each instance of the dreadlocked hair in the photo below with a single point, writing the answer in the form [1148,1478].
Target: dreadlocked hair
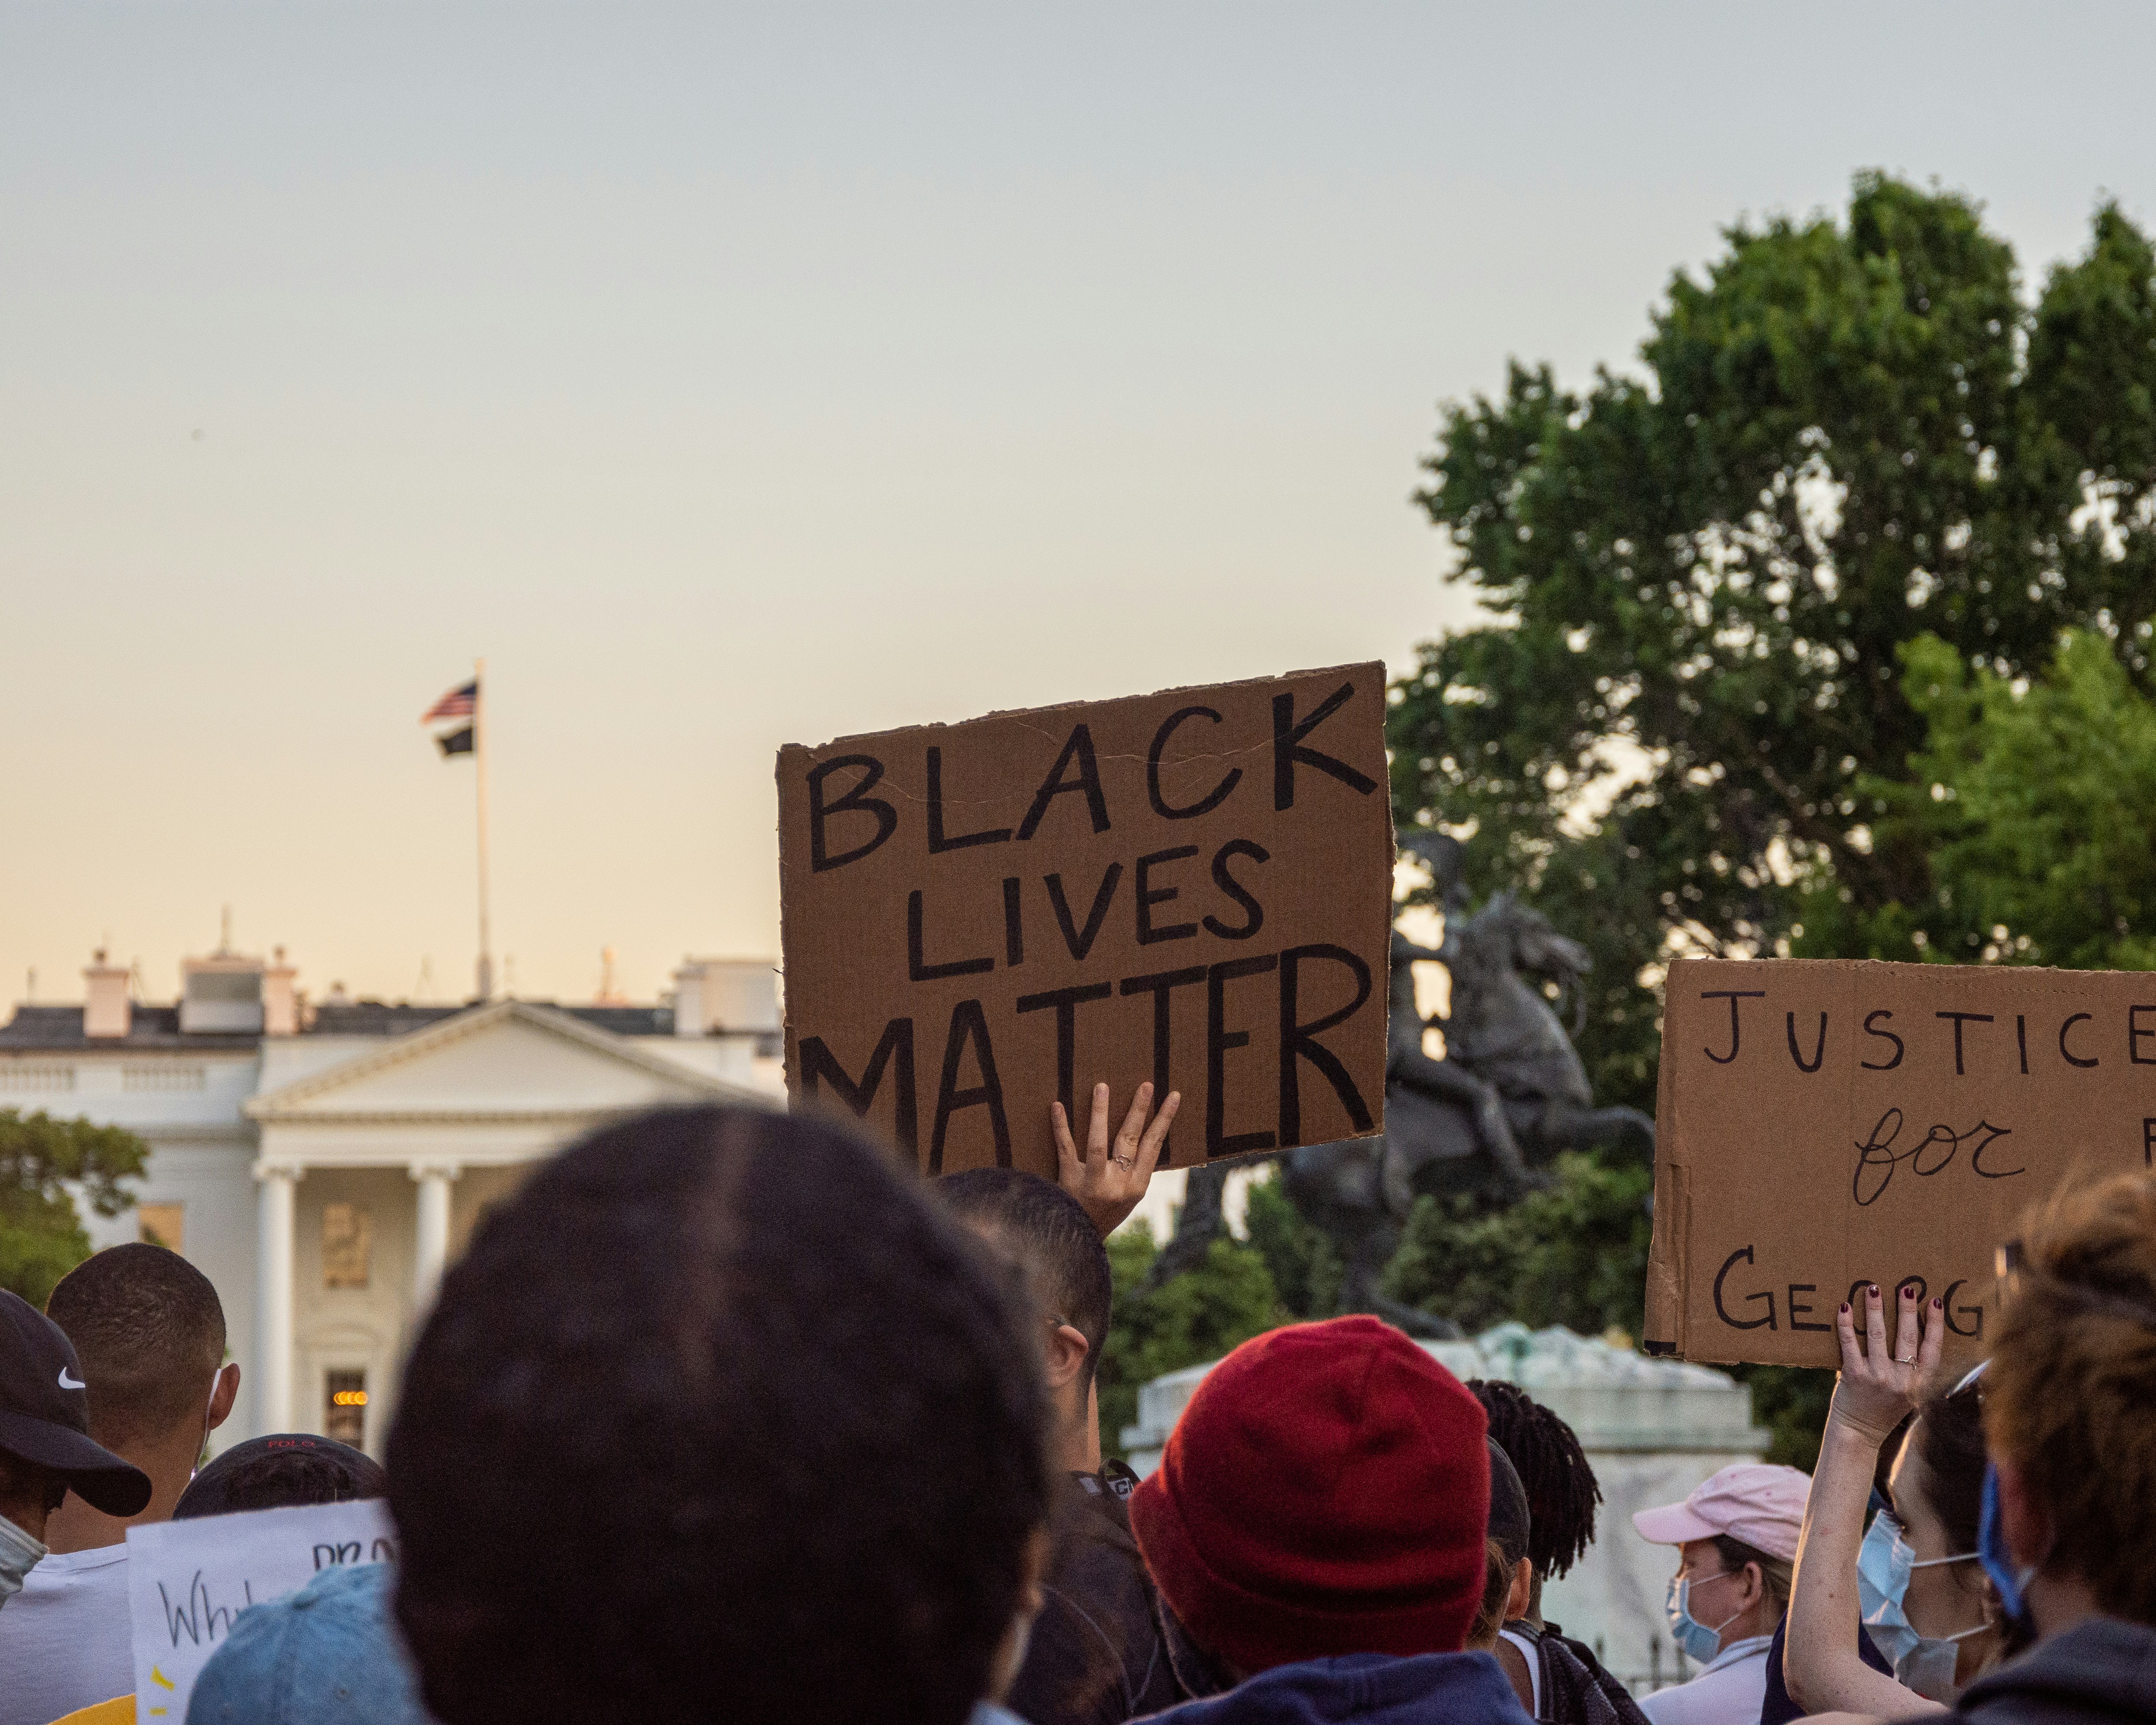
[1562,1489]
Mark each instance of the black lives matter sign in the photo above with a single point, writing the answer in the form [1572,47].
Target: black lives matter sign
[1826,1124]
[1192,887]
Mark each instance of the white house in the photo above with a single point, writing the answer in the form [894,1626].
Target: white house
[321,1164]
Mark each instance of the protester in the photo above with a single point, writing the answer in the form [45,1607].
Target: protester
[1914,1580]
[1559,1680]
[327,1654]
[1737,1539]
[1780,1707]
[149,1332]
[720,1416]
[1511,1574]
[2067,1532]
[1316,1530]
[1095,1653]
[46,1451]
[280,1472]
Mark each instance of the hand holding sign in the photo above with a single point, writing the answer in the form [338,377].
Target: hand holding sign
[1881,1382]
[1110,1181]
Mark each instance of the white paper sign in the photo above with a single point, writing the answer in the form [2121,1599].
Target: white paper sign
[187,1581]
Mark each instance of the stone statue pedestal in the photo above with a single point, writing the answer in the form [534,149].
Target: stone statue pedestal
[1652,1430]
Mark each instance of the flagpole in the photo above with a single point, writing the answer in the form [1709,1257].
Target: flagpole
[479,762]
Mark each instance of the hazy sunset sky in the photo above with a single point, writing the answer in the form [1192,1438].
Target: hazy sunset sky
[730,379]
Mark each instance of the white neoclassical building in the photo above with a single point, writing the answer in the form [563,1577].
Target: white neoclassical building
[321,1164]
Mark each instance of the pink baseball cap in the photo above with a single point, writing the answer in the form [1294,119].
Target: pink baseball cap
[1763,1505]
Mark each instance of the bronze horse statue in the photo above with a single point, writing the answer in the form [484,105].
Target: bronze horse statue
[1509,1093]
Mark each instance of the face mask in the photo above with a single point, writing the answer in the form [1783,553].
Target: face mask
[2011,1581]
[19,1554]
[1700,1641]
[1883,1568]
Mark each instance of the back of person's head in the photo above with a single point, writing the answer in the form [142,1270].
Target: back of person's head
[2072,1378]
[1510,1536]
[1046,1230]
[1326,1491]
[719,1414]
[1948,1434]
[1561,1486]
[150,1331]
[293,1468]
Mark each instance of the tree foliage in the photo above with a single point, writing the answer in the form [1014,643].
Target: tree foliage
[41,1234]
[1197,1316]
[1847,434]
[2036,801]
[1305,1267]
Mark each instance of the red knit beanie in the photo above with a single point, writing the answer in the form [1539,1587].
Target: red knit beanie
[1327,1492]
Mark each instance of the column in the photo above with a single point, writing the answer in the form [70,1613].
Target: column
[430,1252]
[272,1296]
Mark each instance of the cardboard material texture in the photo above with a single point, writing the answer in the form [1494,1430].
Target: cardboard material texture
[187,1581]
[1192,887]
[1823,1125]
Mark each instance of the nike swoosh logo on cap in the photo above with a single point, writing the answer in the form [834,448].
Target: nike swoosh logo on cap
[68,1383]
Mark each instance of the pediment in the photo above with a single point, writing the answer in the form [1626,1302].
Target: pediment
[509,1060]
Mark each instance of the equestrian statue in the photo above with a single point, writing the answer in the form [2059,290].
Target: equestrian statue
[1506,1096]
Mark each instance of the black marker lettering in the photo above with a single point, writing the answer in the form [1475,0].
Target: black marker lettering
[1795,1289]
[1148,896]
[1218,1039]
[1819,1057]
[917,968]
[1255,918]
[1991,1135]
[1722,1310]
[1082,942]
[1299,1042]
[1959,1019]
[1955,1313]
[2078,1018]
[1288,751]
[1013,925]
[1885,1035]
[819,1065]
[969,1024]
[1218,794]
[938,843]
[2135,1034]
[1733,996]
[2021,1039]
[856,801]
[1066,1003]
[1159,986]
[1080,746]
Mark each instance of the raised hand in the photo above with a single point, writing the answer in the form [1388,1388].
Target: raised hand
[1111,1177]
[1880,1384]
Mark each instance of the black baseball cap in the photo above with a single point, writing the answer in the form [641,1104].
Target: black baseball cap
[275,1472]
[1508,1505]
[44,1412]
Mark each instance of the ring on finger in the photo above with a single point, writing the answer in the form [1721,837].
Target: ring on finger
[1123,1161]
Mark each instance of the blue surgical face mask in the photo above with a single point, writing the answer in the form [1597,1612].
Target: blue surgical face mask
[1700,1641]
[1923,1663]
[2010,1579]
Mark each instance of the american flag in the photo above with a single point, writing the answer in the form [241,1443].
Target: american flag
[458,704]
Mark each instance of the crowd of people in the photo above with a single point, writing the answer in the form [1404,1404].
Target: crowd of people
[726,1415]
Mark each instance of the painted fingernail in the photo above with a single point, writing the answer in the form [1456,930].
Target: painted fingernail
[1844,1308]
[1936,1303]
[1908,1293]
[1874,1290]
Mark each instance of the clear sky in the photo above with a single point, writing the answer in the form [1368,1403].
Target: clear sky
[730,379]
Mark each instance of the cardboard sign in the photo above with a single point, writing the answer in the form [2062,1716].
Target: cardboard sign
[1192,887]
[187,1581]
[1825,1124]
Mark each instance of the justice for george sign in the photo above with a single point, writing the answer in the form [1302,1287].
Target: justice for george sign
[1823,1126]
[1192,888]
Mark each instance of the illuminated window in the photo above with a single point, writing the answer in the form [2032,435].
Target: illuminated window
[347,1246]
[344,1407]
[163,1225]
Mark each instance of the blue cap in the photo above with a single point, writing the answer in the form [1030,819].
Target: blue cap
[327,1654]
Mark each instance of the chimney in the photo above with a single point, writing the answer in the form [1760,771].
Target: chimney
[280,1000]
[726,994]
[106,1010]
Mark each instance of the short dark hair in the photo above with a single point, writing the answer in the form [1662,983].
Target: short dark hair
[149,1330]
[278,1472]
[719,1411]
[1950,1436]
[1562,1489]
[1053,1240]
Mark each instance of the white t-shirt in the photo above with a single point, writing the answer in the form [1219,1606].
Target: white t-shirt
[1533,1656]
[65,1640]
[1730,1689]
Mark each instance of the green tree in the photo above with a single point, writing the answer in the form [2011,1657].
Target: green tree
[1575,1255]
[41,1234]
[1305,1267]
[1198,1315]
[1844,436]
[2036,802]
